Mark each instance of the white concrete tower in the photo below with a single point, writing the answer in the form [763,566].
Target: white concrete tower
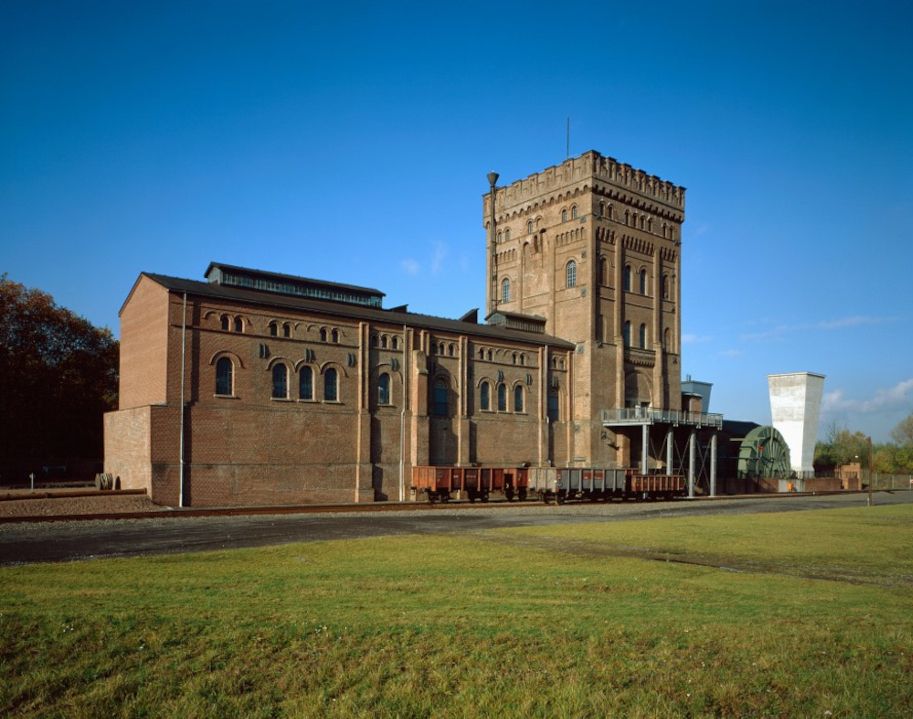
[795,404]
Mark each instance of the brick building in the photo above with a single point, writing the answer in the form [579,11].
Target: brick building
[300,390]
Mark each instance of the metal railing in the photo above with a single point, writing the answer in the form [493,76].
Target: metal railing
[649,415]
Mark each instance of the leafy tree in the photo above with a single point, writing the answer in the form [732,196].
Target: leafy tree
[903,432]
[58,375]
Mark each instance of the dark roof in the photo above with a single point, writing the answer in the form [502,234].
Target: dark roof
[516,316]
[294,278]
[358,312]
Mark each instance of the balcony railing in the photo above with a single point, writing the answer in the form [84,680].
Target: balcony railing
[648,415]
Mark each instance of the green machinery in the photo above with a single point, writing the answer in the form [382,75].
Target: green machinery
[764,453]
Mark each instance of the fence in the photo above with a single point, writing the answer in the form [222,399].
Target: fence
[891,481]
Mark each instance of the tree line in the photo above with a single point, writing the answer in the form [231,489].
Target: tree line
[845,447]
[58,376]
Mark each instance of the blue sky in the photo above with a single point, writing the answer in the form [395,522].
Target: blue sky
[160,136]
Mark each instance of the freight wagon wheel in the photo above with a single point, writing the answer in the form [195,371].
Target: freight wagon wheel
[522,494]
[509,493]
[560,498]
[484,497]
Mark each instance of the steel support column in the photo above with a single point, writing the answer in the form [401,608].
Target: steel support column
[645,445]
[713,464]
[670,451]
[692,450]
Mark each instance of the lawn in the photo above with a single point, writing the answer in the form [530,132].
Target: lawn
[782,615]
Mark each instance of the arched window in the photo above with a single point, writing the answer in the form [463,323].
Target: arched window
[224,372]
[610,212]
[395,342]
[627,217]
[273,329]
[665,287]
[489,355]
[225,322]
[650,224]
[286,330]
[514,358]
[505,290]
[667,340]
[643,282]
[500,235]
[485,396]
[507,235]
[641,222]
[330,385]
[374,340]
[440,349]
[383,389]
[627,278]
[334,335]
[626,333]
[553,413]
[239,324]
[323,334]
[450,349]
[306,383]
[280,381]
[481,353]
[518,398]
[502,398]
[383,341]
[564,215]
[522,358]
[602,209]
[570,274]
[642,338]
[574,212]
[529,227]
[440,405]
[603,271]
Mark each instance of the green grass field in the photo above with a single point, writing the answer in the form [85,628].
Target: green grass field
[803,614]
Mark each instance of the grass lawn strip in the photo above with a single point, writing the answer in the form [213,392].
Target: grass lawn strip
[533,622]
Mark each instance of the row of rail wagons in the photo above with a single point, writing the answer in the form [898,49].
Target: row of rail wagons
[550,484]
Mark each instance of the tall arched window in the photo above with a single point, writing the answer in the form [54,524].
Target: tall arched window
[505,290]
[440,405]
[665,287]
[334,335]
[323,334]
[280,381]
[485,396]
[507,235]
[502,398]
[626,333]
[451,350]
[574,212]
[239,324]
[330,385]
[643,282]
[627,278]
[602,209]
[500,235]
[643,336]
[610,212]
[273,329]
[395,342]
[306,383]
[564,215]
[383,341]
[529,227]
[225,322]
[286,330]
[553,412]
[224,372]
[383,389]
[518,398]
[570,274]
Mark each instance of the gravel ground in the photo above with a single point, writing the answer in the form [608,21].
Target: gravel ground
[77,505]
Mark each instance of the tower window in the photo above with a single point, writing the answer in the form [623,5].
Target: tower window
[529,227]
[239,324]
[383,389]
[280,381]
[335,336]
[502,398]
[643,282]
[627,278]
[570,274]
[485,396]
[507,235]
[574,212]
[626,333]
[440,401]
[224,372]
[564,215]
[553,413]
[505,290]
[273,329]
[518,398]
[286,330]
[323,334]
[306,383]
[225,322]
[643,336]
[603,271]
[330,385]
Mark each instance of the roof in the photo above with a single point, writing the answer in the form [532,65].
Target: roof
[357,312]
[295,278]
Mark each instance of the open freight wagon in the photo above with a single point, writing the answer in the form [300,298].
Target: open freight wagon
[439,484]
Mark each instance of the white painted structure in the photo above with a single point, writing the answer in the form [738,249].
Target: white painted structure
[795,406]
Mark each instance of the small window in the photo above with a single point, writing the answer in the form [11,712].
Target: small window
[383,389]
[224,372]
[286,330]
[239,324]
[570,273]
[440,400]
[280,381]
[641,222]
[485,396]
[627,217]
[505,290]
[522,359]
[643,337]
[306,383]
[225,322]
[650,224]
[553,414]
[440,349]
[500,236]
[395,343]
[507,235]
[489,355]
[518,398]
[611,212]
[383,342]
[564,215]
[334,335]
[273,329]
[481,353]
[626,333]
[602,209]
[665,287]
[627,278]
[451,349]
[574,212]
[514,358]
[529,227]
[374,340]
[502,398]
[323,334]
[330,385]
[643,282]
